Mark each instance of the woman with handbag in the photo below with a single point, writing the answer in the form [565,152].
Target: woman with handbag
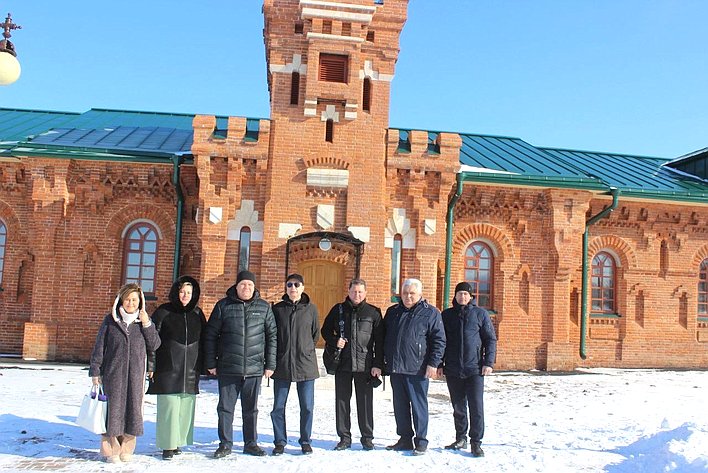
[175,367]
[118,363]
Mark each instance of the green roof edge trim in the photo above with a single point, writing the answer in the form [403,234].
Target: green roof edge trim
[95,154]
[538,181]
[580,184]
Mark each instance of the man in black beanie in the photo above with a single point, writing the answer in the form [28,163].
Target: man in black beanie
[469,356]
[239,348]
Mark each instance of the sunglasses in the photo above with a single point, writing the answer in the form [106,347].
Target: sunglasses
[293,284]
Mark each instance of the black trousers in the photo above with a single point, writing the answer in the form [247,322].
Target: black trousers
[364,404]
[467,393]
[230,389]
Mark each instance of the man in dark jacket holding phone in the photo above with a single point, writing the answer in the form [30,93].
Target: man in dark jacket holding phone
[413,350]
[240,348]
[356,329]
[469,356]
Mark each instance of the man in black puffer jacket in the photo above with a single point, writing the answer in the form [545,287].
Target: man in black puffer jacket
[240,347]
[469,356]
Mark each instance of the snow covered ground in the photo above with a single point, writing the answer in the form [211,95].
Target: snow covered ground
[595,420]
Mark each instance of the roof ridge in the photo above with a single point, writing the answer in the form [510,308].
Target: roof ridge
[610,153]
[171,114]
[461,133]
[31,110]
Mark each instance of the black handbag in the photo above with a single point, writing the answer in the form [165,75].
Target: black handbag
[332,355]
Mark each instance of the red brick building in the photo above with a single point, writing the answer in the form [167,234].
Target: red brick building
[324,188]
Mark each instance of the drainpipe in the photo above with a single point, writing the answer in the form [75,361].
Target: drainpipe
[584,290]
[448,243]
[176,161]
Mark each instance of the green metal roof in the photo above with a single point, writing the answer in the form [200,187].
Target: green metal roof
[18,124]
[511,155]
[635,176]
[512,161]
[122,138]
[100,118]
[103,133]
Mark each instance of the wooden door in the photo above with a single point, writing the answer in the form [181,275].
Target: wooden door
[324,283]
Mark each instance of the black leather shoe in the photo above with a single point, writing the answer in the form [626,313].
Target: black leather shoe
[343,445]
[367,444]
[168,454]
[177,451]
[278,450]
[254,450]
[477,449]
[457,445]
[401,445]
[420,450]
[306,449]
[221,452]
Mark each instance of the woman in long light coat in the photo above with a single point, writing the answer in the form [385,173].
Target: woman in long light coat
[118,362]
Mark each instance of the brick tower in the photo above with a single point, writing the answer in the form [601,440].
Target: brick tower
[330,66]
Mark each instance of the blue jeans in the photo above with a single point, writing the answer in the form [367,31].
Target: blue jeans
[410,396]
[306,396]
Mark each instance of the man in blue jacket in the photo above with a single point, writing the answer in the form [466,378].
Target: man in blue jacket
[413,350]
[469,356]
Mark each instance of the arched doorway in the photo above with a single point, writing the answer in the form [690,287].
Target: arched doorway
[324,283]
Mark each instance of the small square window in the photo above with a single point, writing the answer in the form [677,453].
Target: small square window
[370,36]
[299,27]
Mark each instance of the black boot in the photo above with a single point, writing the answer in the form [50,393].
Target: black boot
[477,449]
[402,445]
[459,444]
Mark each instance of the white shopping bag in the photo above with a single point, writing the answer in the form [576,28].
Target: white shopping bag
[93,412]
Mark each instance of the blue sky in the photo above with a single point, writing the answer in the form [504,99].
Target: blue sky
[626,76]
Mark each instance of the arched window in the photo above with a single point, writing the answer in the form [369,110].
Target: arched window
[479,272]
[396,252]
[140,256]
[3,246]
[244,249]
[702,289]
[604,271]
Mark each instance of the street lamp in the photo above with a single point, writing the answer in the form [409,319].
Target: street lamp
[9,65]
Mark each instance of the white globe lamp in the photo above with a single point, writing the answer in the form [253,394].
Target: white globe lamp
[9,68]
[9,65]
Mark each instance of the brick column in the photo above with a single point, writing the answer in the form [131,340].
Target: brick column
[49,199]
[568,210]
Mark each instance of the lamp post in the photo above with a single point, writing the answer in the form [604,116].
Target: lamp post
[9,65]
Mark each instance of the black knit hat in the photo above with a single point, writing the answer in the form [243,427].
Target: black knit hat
[246,276]
[295,277]
[464,286]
